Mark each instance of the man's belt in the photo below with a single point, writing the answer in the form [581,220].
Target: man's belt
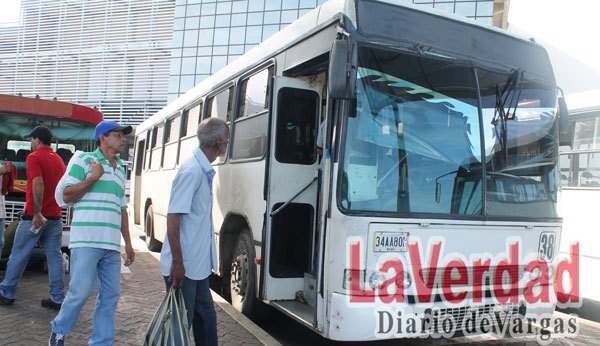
[29,217]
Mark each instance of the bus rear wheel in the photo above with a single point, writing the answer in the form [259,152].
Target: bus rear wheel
[153,244]
[242,280]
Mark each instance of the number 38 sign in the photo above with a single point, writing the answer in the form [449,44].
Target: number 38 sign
[546,246]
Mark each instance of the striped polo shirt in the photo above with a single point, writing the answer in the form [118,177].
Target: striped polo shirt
[97,215]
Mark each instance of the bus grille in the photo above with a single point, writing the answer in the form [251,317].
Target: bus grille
[503,312]
[13,208]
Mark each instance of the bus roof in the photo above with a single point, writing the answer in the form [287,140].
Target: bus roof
[441,32]
[46,108]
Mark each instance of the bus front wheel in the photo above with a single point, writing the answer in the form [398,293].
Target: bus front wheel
[153,244]
[242,285]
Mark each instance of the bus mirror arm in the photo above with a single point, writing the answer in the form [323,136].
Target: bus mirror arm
[563,120]
[276,211]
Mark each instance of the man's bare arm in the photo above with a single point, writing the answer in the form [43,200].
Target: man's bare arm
[125,232]
[177,273]
[37,188]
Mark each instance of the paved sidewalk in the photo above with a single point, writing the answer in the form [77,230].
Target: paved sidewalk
[142,288]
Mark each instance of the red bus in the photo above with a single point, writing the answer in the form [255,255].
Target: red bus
[72,128]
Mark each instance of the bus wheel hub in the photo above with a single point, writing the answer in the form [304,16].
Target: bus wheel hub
[239,274]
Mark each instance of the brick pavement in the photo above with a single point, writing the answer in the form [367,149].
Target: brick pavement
[142,288]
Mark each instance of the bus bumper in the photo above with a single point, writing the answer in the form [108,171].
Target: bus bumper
[351,321]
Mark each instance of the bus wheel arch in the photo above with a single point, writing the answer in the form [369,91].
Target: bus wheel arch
[242,278]
[151,242]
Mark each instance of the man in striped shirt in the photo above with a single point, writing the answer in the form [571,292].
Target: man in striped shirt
[96,185]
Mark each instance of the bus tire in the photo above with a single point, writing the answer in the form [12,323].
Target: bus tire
[153,244]
[242,279]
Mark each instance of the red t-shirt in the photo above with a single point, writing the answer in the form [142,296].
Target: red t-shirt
[44,163]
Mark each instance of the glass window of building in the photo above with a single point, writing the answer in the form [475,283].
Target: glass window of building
[188,65]
[190,38]
[205,37]
[289,4]
[308,3]
[207,22]
[224,7]
[466,9]
[255,18]
[239,6]
[237,35]
[256,5]
[186,83]
[223,20]
[209,9]
[221,37]
[269,30]
[203,64]
[218,63]
[272,17]
[238,19]
[272,5]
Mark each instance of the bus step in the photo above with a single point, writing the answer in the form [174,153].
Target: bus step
[304,313]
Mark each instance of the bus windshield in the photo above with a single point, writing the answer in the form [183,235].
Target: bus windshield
[68,136]
[413,142]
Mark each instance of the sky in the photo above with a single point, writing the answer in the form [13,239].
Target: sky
[569,30]
[10,12]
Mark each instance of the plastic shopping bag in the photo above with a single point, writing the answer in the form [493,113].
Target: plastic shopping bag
[60,187]
[169,326]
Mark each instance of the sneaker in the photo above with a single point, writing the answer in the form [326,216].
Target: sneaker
[56,340]
[48,303]
[6,301]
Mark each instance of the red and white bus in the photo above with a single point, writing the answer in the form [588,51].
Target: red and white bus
[72,127]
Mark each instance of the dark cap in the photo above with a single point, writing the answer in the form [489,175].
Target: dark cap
[106,126]
[42,133]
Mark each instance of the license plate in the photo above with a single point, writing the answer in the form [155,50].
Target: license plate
[390,242]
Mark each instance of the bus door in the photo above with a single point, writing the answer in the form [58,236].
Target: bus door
[292,190]
[138,167]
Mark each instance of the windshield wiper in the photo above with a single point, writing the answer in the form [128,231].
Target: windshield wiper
[511,89]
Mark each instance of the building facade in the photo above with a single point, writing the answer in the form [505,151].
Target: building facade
[113,55]
[209,34]
[129,58]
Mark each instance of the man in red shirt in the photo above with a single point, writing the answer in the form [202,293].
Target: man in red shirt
[41,221]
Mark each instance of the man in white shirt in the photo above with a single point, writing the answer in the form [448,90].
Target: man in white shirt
[189,255]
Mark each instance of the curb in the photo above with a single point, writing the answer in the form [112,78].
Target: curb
[245,322]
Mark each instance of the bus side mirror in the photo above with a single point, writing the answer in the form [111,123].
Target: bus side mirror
[342,69]
[563,122]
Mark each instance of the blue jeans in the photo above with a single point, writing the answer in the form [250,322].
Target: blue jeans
[51,237]
[87,264]
[200,310]
[1,236]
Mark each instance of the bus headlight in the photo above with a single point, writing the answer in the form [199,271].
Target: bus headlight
[358,274]
[404,281]
[376,279]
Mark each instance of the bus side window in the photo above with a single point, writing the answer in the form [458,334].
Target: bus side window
[157,140]
[150,137]
[250,135]
[220,106]
[172,130]
[296,126]
[189,126]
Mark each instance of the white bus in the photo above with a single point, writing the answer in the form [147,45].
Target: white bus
[580,178]
[440,167]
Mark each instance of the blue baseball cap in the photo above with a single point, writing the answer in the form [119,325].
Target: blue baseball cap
[106,126]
